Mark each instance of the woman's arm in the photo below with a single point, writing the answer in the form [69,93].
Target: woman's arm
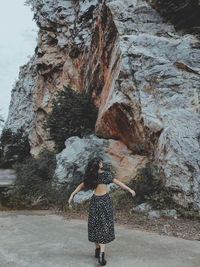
[122,185]
[79,187]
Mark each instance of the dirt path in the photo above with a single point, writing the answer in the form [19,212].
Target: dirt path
[44,239]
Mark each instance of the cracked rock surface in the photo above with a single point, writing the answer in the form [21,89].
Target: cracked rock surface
[143,75]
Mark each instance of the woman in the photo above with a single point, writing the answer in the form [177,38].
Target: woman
[100,218]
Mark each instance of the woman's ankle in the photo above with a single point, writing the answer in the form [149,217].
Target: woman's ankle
[97,251]
[101,259]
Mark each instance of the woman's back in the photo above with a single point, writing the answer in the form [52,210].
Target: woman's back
[104,178]
[100,190]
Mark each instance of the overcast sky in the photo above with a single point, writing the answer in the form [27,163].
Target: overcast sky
[18,33]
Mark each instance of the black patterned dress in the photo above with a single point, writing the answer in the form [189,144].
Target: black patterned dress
[100,218]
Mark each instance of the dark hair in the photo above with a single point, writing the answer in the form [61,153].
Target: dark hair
[91,173]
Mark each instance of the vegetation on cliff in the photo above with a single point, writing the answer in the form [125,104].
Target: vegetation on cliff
[14,147]
[147,183]
[73,114]
[183,14]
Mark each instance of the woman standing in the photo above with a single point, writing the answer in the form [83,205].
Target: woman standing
[100,217]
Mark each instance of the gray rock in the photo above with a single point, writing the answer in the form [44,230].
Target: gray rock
[62,42]
[161,70]
[72,161]
[153,214]
[170,213]
[82,196]
[144,207]
[158,213]
[21,112]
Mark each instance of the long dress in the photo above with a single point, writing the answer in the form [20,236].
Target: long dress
[100,218]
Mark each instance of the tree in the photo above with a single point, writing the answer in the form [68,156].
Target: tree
[14,147]
[73,114]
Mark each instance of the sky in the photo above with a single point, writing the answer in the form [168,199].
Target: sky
[18,34]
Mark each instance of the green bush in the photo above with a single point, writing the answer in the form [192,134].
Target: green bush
[33,184]
[14,147]
[36,185]
[73,114]
[149,187]
[162,199]
[122,200]
[147,181]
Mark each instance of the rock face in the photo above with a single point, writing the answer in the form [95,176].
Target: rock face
[143,76]
[21,112]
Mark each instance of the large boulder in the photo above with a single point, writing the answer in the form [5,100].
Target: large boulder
[72,161]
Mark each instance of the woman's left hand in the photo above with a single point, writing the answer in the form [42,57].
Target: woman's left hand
[132,193]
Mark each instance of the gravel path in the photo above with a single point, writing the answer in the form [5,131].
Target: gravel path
[44,239]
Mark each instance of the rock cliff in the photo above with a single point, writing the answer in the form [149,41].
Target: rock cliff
[143,75]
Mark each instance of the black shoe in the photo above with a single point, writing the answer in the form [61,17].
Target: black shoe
[101,259]
[97,251]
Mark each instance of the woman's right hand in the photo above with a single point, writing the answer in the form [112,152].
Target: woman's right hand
[70,199]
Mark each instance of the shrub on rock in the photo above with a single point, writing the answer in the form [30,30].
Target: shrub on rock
[73,114]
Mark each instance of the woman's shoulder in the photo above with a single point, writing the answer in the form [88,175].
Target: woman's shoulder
[109,176]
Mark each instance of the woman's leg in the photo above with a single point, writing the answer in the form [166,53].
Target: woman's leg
[102,247]
[97,245]
[97,250]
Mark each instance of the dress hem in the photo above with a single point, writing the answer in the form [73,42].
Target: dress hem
[101,242]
